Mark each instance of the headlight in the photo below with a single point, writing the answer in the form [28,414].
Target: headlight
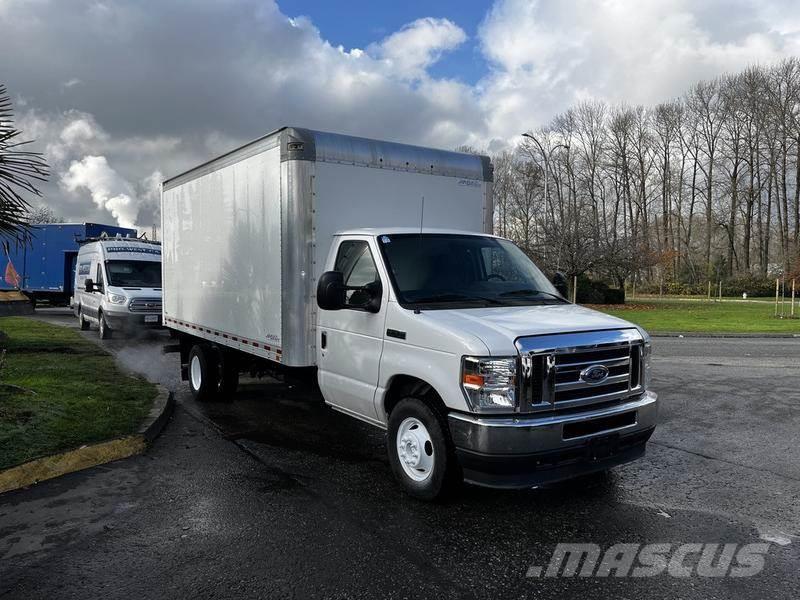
[490,383]
[117,299]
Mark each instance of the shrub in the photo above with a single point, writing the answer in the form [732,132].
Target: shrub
[597,292]
[753,286]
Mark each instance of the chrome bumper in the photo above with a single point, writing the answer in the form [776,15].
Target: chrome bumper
[520,451]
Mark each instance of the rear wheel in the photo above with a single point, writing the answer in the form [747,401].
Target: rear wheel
[204,370]
[229,379]
[421,453]
[105,330]
[84,324]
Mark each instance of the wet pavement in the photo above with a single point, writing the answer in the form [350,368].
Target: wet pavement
[275,495]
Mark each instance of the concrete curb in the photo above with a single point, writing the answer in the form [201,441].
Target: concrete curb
[667,334]
[92,455]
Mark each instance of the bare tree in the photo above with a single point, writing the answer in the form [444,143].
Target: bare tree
[707,184]
[42,215]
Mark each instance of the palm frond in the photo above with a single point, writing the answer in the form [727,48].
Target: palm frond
[20,170]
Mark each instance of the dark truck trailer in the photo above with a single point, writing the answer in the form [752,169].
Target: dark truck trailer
[45,263]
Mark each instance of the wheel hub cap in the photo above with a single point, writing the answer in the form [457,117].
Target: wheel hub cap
[415,449]
[196,373]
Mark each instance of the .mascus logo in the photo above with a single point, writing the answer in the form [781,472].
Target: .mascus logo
[594,374]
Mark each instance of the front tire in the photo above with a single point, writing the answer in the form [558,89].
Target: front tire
[105,330]
[421,453]
[204,379]
[83,323]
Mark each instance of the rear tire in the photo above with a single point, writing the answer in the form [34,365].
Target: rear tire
[105,330]
[83,323]
[421,453]
[229,379]
[204,380]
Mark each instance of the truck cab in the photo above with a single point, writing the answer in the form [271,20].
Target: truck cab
[477,367]
[118,285]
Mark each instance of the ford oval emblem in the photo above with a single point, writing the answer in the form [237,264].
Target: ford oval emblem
[594,374]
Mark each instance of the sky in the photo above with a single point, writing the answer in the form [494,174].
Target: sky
[120,94]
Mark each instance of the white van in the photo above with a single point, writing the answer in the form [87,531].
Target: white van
[118,285]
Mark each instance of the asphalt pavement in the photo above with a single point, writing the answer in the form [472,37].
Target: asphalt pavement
[275,495]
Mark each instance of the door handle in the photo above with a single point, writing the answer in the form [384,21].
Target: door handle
[323,342]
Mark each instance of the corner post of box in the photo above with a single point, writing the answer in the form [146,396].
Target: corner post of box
[298,153]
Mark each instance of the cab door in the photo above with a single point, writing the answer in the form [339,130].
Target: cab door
[92,300]
[350,340]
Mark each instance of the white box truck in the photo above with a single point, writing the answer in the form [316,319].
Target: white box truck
[372,265]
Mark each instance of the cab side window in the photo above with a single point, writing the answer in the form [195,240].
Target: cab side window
[354,261]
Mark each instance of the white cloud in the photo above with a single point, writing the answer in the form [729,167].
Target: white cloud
[546,55]
[80,130]
[108,190]
[418,45]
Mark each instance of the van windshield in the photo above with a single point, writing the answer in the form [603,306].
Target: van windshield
[451,270]
[134,273]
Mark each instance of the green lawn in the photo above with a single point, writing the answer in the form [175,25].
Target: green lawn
[59,391]
[702,316]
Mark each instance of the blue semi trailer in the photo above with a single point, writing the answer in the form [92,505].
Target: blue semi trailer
[45,264]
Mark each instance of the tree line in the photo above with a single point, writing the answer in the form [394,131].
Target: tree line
[704,187]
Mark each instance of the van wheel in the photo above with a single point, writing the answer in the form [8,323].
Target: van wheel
[84,324]
[105,330]
[421,453]
[203,373]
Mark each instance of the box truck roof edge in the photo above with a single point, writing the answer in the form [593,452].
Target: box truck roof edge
[297,143]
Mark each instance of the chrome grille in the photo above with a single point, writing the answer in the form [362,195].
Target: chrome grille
[554,369]
[145,305]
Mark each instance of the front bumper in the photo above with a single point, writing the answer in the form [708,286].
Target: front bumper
[518,452]
[131,320]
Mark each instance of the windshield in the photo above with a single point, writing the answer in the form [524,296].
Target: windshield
[443,270]
[134,273]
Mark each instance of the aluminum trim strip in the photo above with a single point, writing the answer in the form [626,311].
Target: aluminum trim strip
[611,362]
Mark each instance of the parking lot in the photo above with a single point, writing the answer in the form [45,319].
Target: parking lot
[277,495]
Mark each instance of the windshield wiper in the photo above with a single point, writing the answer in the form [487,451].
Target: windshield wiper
[451,297]
[531,292]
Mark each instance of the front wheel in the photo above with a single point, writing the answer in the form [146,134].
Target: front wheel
[420,451]
[105,330]
[84,324]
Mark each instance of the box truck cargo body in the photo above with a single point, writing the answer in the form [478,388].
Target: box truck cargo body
[246,235]
[373,265]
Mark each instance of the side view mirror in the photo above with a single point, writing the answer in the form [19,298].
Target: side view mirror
[330,291]
[88,285]
[560,283]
